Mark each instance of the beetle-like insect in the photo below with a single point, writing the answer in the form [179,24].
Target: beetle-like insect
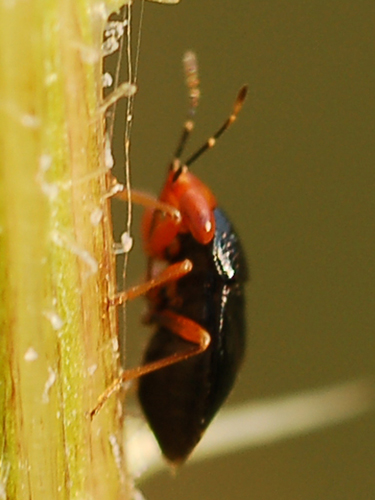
[196,303]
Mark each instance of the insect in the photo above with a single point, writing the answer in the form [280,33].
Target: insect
[196,303]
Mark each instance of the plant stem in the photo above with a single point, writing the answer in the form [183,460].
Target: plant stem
[56,262]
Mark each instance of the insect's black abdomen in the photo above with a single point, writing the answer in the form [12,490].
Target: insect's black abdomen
[179,401]
[172,400]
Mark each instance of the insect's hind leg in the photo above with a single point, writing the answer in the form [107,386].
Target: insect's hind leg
[179,325]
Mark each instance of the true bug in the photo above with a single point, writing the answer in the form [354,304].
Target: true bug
[196,303]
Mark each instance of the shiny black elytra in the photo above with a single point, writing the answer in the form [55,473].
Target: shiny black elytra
[180,400]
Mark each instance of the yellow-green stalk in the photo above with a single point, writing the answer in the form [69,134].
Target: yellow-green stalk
[56,265]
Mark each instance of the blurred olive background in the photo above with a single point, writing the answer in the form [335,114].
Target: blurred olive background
[296,174]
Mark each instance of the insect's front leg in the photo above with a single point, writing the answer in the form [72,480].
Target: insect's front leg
[118,190]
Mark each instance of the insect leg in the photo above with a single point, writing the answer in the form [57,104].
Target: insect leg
[171,273]
[140,198]
[181,326]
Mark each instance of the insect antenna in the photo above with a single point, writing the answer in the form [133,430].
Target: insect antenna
[210,143]
[190,64]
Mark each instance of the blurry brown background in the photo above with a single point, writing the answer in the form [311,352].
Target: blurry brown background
[296,173]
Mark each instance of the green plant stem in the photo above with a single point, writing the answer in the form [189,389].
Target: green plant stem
[56,263]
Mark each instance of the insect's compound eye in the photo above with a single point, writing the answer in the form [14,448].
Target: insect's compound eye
[198,216]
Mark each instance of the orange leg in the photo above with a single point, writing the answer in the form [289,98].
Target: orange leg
[140,198]
[168,227]
[185,328]
[171,273]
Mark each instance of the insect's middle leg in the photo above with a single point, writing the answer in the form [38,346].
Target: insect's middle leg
[171,273]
